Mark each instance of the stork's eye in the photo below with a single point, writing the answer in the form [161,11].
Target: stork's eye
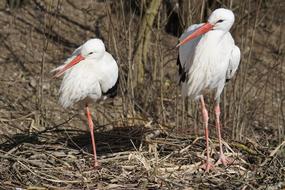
[219,21]
[90,53]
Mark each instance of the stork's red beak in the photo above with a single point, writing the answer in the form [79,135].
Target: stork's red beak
[202,30]
[76,60]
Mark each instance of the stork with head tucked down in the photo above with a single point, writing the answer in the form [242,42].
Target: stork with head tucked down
[90,75]
[208,57]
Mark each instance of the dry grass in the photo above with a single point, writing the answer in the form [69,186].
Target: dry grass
[170,162]
[147,139]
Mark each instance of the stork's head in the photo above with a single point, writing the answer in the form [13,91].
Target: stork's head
[221,19]
[92,49]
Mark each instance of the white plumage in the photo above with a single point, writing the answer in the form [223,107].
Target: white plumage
[208,57]
[90,74]
[208,61]
[91,77]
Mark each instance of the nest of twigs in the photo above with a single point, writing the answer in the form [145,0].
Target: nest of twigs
[129,160]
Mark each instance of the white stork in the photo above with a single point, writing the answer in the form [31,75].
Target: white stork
[208,57]
[90,75]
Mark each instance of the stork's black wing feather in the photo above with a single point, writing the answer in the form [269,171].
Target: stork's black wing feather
[112,92]
[181,71]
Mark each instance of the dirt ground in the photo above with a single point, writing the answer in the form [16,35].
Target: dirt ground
[43,146]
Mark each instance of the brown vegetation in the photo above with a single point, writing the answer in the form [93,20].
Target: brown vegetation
[147,137]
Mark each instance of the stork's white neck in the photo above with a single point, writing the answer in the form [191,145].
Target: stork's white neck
[214,37]
[213,43]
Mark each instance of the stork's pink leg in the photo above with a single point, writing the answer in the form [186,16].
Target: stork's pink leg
[223,159]
[207,165]
[91,127]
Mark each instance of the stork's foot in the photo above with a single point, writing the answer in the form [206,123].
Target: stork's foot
[225,160]
[207,166]
[96,165]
